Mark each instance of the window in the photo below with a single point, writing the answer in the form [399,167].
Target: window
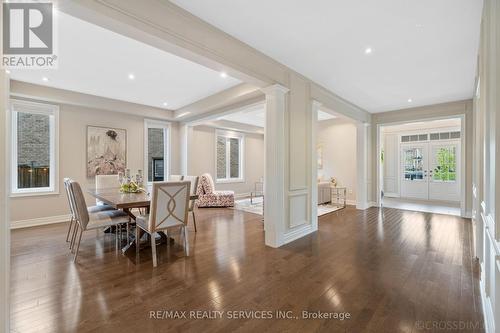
[413,165]
[156,149]
[446,164]
[229,156]
[35,131]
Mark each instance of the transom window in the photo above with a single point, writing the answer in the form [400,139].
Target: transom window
[229,156]
[34,128]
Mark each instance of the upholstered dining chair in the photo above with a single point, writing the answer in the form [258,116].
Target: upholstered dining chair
[92,209]
[169,209]
[192,203]
[92,221]
[106,181]
[175,178]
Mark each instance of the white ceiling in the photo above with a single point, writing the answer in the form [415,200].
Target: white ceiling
[421,50]
[255,115]
[97,61]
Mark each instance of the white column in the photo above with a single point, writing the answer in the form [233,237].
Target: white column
[274,175]
[4,204]
[362,165]
[314,174]
[185,134]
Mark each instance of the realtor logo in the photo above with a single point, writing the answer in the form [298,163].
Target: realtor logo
[28,35]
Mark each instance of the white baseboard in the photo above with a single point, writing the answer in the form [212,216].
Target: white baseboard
[297,233]
[39,221]
[489,319]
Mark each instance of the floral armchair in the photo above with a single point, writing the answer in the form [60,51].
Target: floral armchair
[209,197]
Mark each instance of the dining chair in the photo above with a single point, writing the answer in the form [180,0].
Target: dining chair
[106,181]
[175,178]
[169,209]
[192,203]
[92,209]
[86,220]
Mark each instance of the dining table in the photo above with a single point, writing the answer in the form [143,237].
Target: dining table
[127,202]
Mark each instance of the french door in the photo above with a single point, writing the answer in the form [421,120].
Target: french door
[431,170]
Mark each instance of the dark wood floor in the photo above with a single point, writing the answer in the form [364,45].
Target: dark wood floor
[393,271]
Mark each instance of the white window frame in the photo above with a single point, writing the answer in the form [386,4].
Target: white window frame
[52,111]
[167,129]
[241,138]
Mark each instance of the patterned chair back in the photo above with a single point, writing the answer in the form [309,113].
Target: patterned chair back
[206,184]
[169,205]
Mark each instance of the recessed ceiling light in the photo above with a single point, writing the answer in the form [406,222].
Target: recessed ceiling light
[410,100]
[45,79]
[368,50]
[223,74]
[418,25]
[165,104]
[131,76]
[7,71]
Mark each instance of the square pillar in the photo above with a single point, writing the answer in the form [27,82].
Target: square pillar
[274,171]
[362,165]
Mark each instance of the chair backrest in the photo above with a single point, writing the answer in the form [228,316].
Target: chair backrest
[169,204]
[79,204]
[106,181]
[68,195]
[206,184]
[175,178]
[194,180]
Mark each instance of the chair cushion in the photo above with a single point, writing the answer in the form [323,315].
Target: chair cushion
[107,218]
[216,199]
[142,221]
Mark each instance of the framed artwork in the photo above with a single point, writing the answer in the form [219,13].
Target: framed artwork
[320,156]
[106,150]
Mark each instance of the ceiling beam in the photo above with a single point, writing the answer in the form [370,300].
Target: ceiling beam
[228,101]
[166,26]
[61,96]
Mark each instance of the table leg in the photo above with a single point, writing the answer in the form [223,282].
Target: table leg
[129,242]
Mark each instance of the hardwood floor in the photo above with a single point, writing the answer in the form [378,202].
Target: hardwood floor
[391,270]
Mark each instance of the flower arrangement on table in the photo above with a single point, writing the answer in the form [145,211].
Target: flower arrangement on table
[127,185]
[131,187]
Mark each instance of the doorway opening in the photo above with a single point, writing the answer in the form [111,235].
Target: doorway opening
[421,166]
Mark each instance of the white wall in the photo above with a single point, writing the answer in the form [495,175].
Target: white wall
[338,139]
[201,158]
[72,151]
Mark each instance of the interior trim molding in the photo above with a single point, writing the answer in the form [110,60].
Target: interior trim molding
[489,323]
[39,221]
[298,232]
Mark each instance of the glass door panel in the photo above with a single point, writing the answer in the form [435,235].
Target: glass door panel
[444,171]
[414,163]
[413,167]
